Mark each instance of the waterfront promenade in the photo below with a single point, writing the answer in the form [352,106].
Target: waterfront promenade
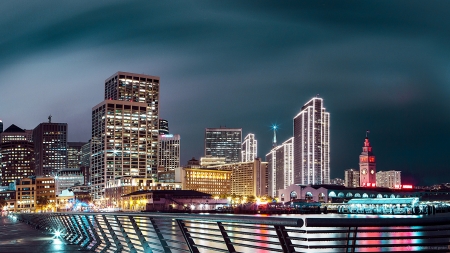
[19,237]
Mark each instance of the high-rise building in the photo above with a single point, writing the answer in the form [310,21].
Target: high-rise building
[367,166]
[74,154]
[224,142]
[312,144]
[86,162]
[163,126]
[271,159]
[50,147]
[169,151]
[351,178]
[249,148]
[1,126]
[389,179]
[284,165]
[17,154]
[125,130]
[281,166]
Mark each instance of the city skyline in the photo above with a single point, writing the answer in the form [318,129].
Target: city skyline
[377,65]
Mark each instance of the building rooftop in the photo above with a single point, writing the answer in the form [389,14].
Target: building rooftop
[170,192]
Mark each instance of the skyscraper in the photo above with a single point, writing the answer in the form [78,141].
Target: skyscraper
[312,144]
[281,166]
[50,147]
[17,154]
[163,126]
[367,166]
[224,142]
[249,148]
[1,126]
[125,129]
[169,151]
[74,154]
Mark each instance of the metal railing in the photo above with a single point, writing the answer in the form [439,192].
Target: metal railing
[159,232]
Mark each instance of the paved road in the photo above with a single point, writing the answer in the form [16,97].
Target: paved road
[18,237]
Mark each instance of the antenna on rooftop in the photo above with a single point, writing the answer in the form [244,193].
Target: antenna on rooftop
[50,118]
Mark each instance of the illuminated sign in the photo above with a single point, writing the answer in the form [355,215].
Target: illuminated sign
[167,135]
[407,186]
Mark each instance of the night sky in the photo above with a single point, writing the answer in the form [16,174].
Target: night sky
[382,66]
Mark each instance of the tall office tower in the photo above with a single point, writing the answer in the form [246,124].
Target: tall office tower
[284,165]
[17,154]
[271,159]
[163,126]
[389,179]
[74,154]
[50,147]
[224,142]
[367,166]
[249,148]
[169,151]
[86,161]
[312,144]
[351,178]
[125,130]
[1,126]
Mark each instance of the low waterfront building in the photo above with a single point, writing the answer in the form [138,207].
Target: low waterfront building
[170,200]
[341,194]
[118,187]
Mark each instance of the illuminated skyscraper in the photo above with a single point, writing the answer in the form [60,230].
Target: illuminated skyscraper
[312,144]
[224,142]
[169,151]
[74,154]
[17,154]
[367,166]
[249,148]
[50,147]
[125,129]
[281,166]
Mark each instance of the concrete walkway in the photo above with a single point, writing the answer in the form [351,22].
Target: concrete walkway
[18,237]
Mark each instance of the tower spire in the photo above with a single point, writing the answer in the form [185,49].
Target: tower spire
[367,133]
[274,142]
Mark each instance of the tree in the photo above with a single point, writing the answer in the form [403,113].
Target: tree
[41,201]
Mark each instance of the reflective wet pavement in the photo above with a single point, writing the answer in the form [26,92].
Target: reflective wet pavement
[18,237]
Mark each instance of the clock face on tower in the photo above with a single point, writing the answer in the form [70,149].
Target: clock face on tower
[372,171]
[364,171]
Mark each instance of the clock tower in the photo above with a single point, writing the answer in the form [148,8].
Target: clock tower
[367,166]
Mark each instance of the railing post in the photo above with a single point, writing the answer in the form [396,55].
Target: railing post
[93,233]
[105,238]
[141,237]
[187,237]
[351,242]
[119,246]
[160,236]
[125,235]
[285,241]
[227,240]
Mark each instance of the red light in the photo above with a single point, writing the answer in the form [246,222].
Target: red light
[373,184]
[407,186]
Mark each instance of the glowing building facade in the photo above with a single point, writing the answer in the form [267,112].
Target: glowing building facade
[169,151]
[312,144]
[125,130]
[211,181]
[16,154]
[389,179]
[224,142]
[50,148]
[249,148]
[74,153]
[351,178]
